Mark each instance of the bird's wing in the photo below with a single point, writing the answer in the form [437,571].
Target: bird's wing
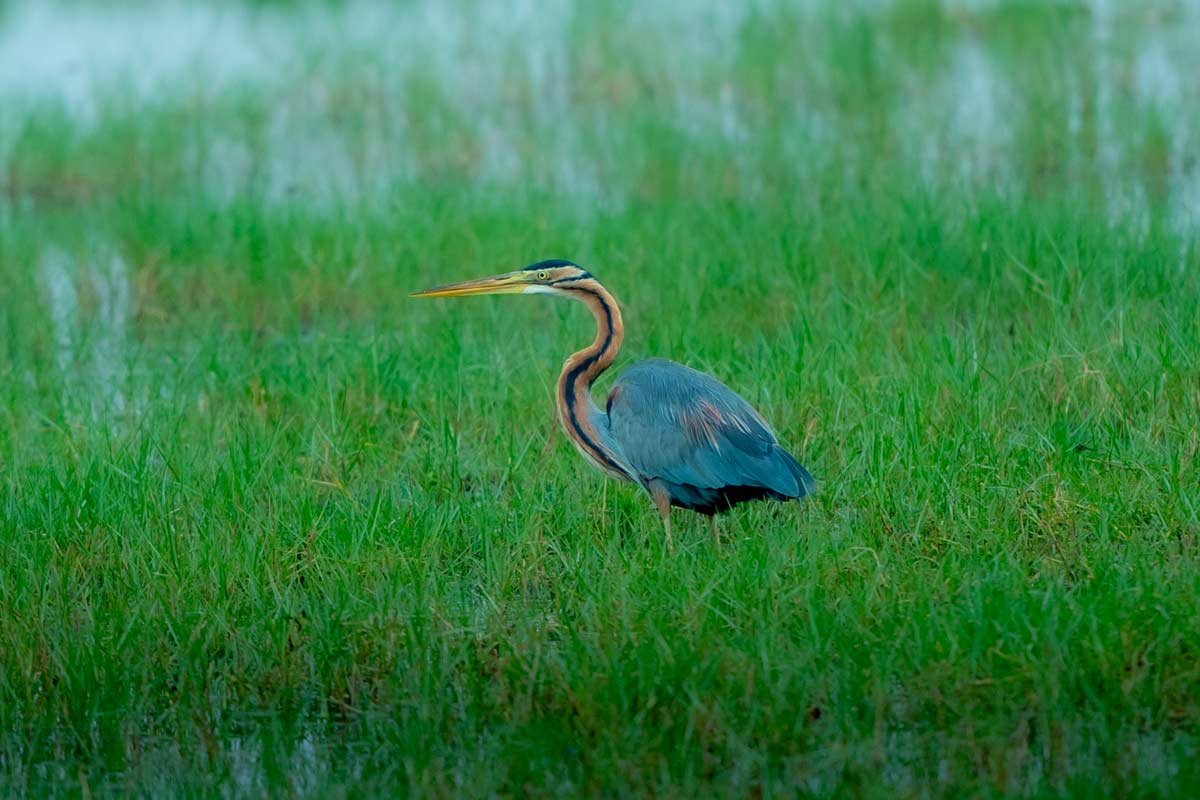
[685,427]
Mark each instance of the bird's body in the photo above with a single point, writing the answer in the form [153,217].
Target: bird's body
[682,435]
[705,445]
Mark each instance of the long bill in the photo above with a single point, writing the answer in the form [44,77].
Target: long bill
[508,283]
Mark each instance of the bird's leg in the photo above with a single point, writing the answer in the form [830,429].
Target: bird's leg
[662,501]
[716,530]
[604,504]
[549,440]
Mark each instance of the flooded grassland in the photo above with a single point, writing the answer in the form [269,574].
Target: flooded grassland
[266,525]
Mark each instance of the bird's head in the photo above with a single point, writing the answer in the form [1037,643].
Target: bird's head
[544,277]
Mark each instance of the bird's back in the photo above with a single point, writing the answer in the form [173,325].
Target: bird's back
[697,437]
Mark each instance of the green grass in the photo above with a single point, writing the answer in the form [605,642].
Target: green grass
[268,526]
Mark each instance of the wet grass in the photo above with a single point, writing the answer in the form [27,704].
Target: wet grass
[269,526]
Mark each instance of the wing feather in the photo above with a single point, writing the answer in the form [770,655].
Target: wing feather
[685,427]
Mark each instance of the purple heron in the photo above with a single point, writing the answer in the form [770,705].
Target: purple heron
[682,435]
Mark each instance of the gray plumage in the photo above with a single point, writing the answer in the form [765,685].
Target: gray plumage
[705,444]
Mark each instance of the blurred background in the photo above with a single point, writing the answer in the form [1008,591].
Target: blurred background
[599,104]
[159,148]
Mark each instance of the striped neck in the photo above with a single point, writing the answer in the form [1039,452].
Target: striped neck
[580,417]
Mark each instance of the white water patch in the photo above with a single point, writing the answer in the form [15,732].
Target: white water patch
[1155,78]
[508,70]
[717,111]
[1108,146]
[244,757]
[956,126]
[304,154]
[696,71]
[62,305]
[110,281]
[72,52]
[91,349]
[1161,89]
[1160,79]
[311,765]
[975,93]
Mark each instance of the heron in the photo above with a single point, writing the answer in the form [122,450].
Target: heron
[684,437]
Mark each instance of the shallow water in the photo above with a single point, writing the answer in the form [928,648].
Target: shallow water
[511,98]
[91,348]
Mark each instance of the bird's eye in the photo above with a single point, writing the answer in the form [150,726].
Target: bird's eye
[543,275]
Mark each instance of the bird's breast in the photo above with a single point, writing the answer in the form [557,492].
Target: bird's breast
[587,443]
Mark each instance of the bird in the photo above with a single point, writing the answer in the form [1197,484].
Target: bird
[684,437]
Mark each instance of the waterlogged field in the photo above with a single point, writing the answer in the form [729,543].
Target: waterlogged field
[269,527]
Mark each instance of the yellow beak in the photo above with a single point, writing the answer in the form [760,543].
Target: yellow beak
[508,283]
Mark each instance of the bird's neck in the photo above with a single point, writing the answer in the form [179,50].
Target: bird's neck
[580,417]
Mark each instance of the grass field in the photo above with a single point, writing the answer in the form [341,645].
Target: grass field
[269,527]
